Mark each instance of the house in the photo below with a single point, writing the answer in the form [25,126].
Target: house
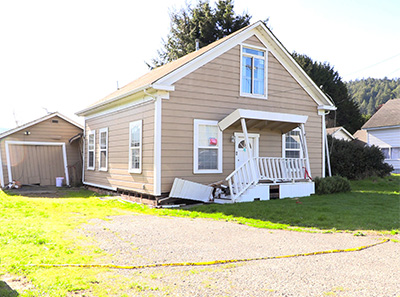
[361,136]
[383,130]
[340,133]
[40,151]
[235,111]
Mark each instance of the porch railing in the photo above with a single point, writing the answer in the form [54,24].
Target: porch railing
[281,169]
[266,168]
[241,179]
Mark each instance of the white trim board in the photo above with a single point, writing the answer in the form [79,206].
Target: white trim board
[62,144]
[99,186]
[260,115]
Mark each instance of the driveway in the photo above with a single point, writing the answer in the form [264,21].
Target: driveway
[143,239]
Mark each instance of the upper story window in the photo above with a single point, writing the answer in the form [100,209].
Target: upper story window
[91,149]
[253,72]
[135,147]
[103,149]
[207,147]
[292,144]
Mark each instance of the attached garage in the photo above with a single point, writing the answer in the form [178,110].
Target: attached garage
[39,152]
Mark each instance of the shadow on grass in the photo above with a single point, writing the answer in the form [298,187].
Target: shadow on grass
[51,192]
[6,290]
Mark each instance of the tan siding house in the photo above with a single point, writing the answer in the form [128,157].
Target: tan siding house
[39,151]
[194,119]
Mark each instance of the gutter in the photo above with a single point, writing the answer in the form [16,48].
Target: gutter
[143,88]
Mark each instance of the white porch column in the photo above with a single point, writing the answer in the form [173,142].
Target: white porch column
[305,149]
[249,150]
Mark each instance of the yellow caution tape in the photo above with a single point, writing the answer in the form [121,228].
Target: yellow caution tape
[209,262]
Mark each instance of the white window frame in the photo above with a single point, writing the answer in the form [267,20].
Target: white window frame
[93,132]
[196,147]
[103,130]
[389,148]
[242,53]
[138,123]
[284,149]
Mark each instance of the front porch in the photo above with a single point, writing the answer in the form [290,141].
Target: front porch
[263,178]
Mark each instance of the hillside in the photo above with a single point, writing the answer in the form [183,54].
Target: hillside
[371,92]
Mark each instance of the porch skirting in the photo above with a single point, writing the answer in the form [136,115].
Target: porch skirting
[267,191]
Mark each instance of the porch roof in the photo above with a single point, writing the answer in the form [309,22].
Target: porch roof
[283,122]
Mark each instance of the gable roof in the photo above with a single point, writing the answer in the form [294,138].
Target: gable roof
[162,78]
[388,115]
[334,130]
[37,121]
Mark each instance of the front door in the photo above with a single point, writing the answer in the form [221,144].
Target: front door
[241,154]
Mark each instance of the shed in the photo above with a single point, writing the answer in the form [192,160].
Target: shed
[39,151]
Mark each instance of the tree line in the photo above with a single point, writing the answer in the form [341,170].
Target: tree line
[371,93]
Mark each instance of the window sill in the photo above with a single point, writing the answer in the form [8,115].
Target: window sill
[247,95]
[136,171]
[207,171]
[92,169]
[103,169]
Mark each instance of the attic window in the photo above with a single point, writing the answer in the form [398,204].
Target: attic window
[54,121]
[253,72]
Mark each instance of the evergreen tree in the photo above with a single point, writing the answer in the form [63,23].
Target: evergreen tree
[348,114]
[370,93]
[201,22]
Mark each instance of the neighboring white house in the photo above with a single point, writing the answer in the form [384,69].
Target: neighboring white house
[383,130]
[339,133]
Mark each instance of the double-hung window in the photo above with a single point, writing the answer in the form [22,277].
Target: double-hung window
[207,147]
[292,144]
[91,149]
[253,72]
[135,147]
[103,149]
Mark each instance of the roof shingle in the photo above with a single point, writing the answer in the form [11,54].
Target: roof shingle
[387,115]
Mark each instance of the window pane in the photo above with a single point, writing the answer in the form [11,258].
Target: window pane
[91,141]
[208,159]
[206,132]
[253,51]
[293,140]
[135,158]
[103,140]
[103,156]
[135,136]
[246,75]
[259,76]
[385,152]
[395,152]
[91,159]
[292,154]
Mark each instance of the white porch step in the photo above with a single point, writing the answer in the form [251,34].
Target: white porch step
[223,201]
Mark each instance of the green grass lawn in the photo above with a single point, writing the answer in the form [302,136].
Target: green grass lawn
[43,230]
[373,204]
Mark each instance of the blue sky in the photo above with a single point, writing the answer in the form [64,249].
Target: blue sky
[64,55]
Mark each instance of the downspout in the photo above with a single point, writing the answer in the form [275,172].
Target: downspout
[1,170]
[83,153]
[325,149]
[157,144]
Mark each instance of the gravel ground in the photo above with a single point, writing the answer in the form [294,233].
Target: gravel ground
[142,239]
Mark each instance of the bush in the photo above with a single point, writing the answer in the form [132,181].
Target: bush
[333,184]
[357,161]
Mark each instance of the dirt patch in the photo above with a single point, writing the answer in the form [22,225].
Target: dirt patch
[43,191]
